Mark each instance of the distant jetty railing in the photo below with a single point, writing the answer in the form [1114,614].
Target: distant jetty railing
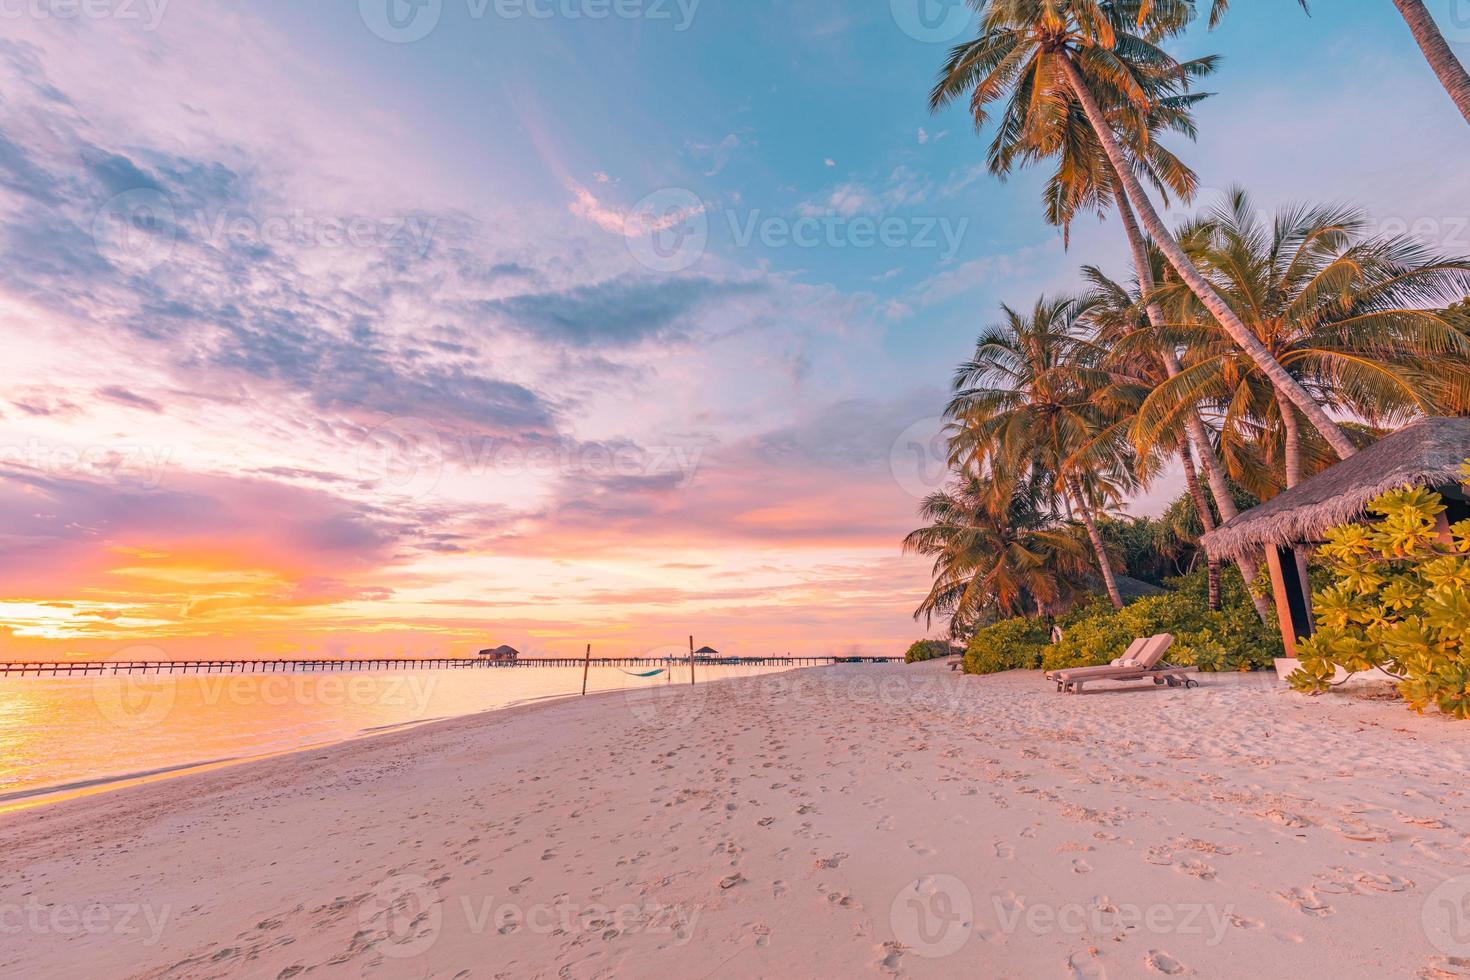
[71,668]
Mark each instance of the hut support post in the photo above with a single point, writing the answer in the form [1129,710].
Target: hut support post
[1442,526]
[1290,591]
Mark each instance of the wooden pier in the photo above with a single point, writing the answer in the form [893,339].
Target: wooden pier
[95,668]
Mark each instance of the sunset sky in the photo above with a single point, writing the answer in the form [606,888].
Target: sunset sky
[323,336]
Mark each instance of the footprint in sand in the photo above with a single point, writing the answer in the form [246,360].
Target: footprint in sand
[778,888]
[892,954]
[1081,867]
[1161,962]
[1445,968]
[1241,922]
[1004,851]
[1195,868]
[1285,818]
[1345,881]
[1305,900]
[887,823]
[918,848]
[1086,966]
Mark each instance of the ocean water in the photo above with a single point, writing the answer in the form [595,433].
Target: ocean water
[62,736]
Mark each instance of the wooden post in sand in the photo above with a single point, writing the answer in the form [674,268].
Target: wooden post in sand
[691,660]
[586,666]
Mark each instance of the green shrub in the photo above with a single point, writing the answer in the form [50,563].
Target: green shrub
[1093,632]
[929,650]
[1011,644]
[1398,603]
[1232,639]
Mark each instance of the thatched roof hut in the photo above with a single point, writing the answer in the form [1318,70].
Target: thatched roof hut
[1426,453]
[706,652]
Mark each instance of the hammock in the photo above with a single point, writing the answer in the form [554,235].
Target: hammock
[646,673]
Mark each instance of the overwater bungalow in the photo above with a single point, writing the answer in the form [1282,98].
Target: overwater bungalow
[501,654]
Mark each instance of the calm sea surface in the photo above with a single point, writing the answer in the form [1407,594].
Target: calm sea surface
[64,733]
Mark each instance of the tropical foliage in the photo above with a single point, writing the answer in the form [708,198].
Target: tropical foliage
[1399,603]
[1232,638]
[995,558]
[1245,351]
[1011,644]
[1351,317]
[922,650]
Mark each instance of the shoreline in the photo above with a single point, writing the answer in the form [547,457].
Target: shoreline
[51,795]
[823,822]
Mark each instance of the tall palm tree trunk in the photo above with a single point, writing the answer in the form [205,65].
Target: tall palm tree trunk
[1293,462]
[1447,67]
[1238,331]
[1094,535]
[1196,493]
[1206,520]
[1194,426]
[1293,451]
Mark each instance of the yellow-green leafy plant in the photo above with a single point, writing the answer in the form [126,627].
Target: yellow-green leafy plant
[1399,603]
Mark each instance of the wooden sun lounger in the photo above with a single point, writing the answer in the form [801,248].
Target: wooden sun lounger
[1134,649]
[1143,659]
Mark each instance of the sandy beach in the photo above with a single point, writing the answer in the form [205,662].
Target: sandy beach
[842,821]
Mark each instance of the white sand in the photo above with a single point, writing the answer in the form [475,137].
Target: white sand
[863,820]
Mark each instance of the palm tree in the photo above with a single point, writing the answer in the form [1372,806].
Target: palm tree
[1084,179]
[1135,370]
[1359,322]
[994,561]
[1442,60]
[1447,68]
[1021,409]
[1101,52]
